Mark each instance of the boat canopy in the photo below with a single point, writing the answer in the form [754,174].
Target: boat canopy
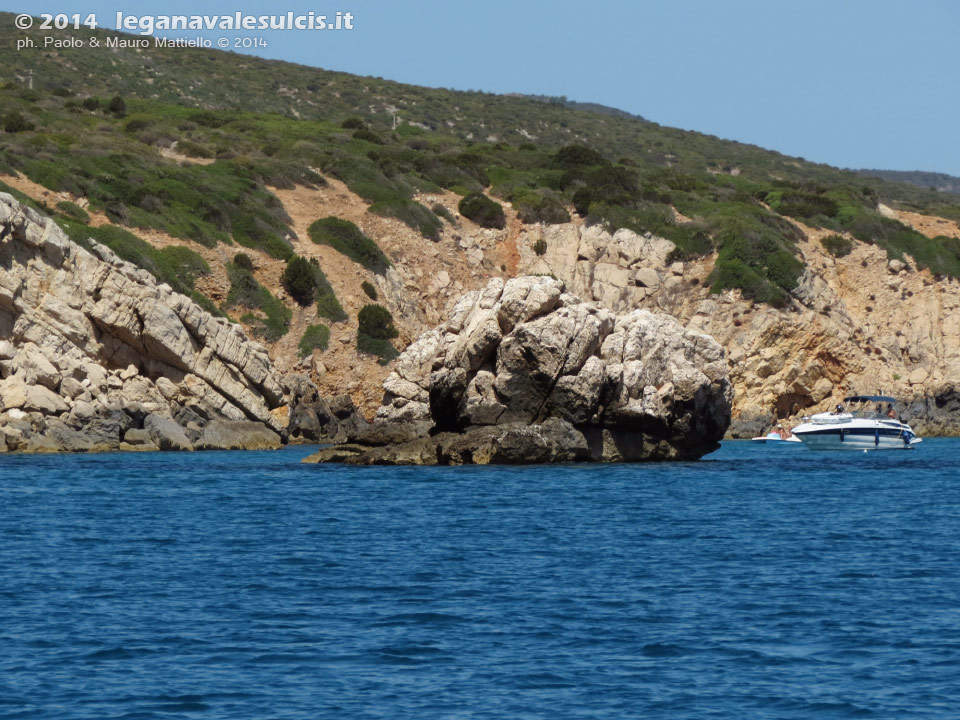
[870,398]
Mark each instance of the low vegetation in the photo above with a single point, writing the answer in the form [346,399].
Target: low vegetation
[345,237]
[374,331]
[176,265]
[298,280]
[327,304]
[483,211]
[244,261]
[267,316]
[837,245]
[440,211]
[73,211]
[99,134]
[315,337]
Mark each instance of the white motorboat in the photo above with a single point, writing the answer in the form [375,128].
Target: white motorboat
[864,427]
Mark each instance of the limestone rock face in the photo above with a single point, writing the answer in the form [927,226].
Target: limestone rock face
[556,379]
[861,324]
[237,435]
[92,347]
[935,413]
[621,270]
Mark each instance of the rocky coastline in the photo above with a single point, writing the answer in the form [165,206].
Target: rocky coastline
[524,372]
[96,355]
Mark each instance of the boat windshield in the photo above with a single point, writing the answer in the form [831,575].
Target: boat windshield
[870,411]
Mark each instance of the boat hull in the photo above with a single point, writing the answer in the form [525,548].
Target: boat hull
[854,438]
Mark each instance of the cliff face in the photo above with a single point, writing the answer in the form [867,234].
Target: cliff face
[95,354]
[857,324]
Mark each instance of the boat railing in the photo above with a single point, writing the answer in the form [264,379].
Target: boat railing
[830,418]
[833,418]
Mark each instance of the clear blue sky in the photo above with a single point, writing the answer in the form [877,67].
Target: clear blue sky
[853,83]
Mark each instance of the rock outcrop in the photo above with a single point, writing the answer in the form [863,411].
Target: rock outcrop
[935,413]
[95,354]
[313,418]
[524,372]
[860,324]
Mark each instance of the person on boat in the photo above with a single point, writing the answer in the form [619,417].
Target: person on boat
[783,432]
[839,410]
[891,413]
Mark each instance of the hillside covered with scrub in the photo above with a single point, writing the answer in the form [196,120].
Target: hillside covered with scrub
[190,163]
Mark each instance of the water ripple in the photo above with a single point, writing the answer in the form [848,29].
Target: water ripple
[748,585]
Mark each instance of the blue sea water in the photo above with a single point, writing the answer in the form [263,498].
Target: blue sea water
[757,583]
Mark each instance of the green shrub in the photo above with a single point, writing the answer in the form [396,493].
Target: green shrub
[374,346]
[583,199]
[298,280]
[802,204]
[91,103]
[412,214]
[614,217]
[330,308]
[446,174]
[440,211]
[377,322]
[254,232]
[837,245]
[137,123]
[194,150]
[368,136]
[610,185]
[369,290]
[345,237]
[691,243]
[242,260]
[117,106]
[734,273]
[375,329]
[14,122]
[73,211]
[940,254]
[183,264]
[353,123]
[315,337]
[208,119]
[540,246]
[206,203]
[539,207]
[571,156]
[483,211]
[784,269]
[272,319]
[327,304]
